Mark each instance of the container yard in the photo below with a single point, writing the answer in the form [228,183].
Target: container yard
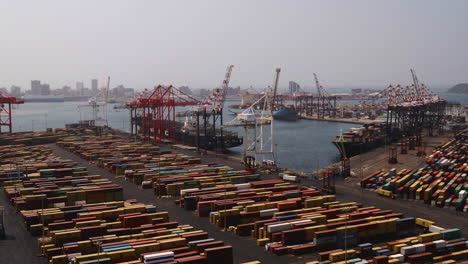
[85,217]
[275,221]
[441,182]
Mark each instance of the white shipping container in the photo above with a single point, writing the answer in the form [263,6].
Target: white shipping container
[400,257]
[461,194]
[433,228]
[268,212]
[159,255]
[278,227]
[242,186]
[182,192]
[289,178]
[284,226]
[440,243]
[408,250]
[419,248]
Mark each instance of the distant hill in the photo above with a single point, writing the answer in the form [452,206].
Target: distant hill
[459,88]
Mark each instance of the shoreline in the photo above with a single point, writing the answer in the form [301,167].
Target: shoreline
[340,120]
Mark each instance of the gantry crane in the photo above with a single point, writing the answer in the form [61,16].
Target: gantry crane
[325,103]
[411,109]
[259,143]
[153,112]
[6,103]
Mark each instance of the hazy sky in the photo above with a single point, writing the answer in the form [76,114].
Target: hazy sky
[143,43]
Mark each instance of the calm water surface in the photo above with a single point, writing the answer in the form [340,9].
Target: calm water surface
[304,145]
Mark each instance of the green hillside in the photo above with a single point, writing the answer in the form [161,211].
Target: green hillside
[459,88]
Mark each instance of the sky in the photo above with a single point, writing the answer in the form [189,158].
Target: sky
[359,43]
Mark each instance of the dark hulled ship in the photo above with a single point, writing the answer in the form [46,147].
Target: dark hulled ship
[360,140]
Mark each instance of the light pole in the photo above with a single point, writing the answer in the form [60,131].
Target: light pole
[45,121]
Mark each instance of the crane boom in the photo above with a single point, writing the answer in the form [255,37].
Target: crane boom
[218,97]
[415,82]
[225,86]
[317,84]
[274,91]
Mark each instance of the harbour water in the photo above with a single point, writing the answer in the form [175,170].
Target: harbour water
[304,145]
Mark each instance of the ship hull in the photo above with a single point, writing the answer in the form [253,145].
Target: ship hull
[44,100]
[286,114]
[208,141]
[356,148]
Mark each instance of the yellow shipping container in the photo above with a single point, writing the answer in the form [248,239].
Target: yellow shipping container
[429,237]
[396,248]
[424,222]
[172,243]
[262,241]
[61,259]
[339,256]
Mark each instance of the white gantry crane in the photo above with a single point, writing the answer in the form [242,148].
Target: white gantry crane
[98,104]
[258,127]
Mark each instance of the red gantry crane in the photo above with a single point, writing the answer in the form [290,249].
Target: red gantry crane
[157,109]
[6,103]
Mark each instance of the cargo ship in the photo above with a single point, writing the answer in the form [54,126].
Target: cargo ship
[286,113]
[54,99]
[186,133]
[360,140]
[44,99]
[281,112]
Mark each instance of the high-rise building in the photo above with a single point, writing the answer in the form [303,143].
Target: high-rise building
[94,85]
[15,91]
[185,89]
[293,88]
[45,89]
[66,89]
[36,87]
[80,87]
